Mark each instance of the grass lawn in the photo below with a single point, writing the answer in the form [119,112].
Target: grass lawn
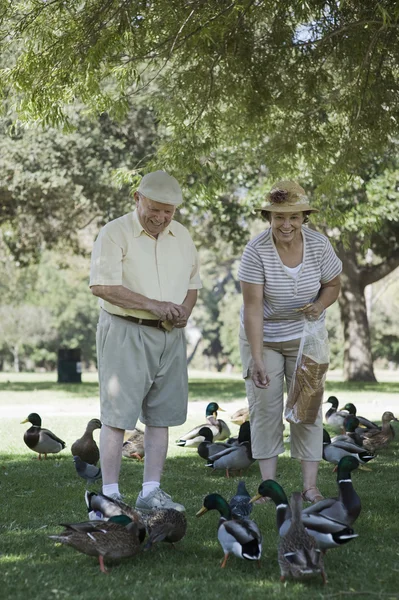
[38,495]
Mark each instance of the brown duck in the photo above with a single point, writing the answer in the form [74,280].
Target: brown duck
[133,447]
[86,447]
[374,439]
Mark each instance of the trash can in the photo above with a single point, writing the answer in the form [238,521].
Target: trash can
[69,365]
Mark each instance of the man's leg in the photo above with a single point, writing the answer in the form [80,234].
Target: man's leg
[111,441]
[156,441]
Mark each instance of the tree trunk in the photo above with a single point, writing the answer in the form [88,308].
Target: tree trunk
[15,352]
[358,362]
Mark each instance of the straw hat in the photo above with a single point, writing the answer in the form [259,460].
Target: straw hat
[287,196]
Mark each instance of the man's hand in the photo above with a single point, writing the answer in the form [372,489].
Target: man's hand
[181,321]
[167,311]
[259,375]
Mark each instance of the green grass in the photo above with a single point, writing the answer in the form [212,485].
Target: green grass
[38,495]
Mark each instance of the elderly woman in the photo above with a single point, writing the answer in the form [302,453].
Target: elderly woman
[283,269]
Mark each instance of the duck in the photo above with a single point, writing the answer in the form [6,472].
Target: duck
[328,532]
[347,506]
[86,447]
[240,416]
[298,554]
[333,416]
[133,447]
[364,423]
[40,440]
[334,452]
[351,431]
[163,524]
[244,435]
[240,504]
[235,458]
[240,537]
[119,537]
[219,428]
[375,439]
[208,446]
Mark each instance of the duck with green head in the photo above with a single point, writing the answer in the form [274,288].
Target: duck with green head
[237,536]
[219,428]
[40,440]
[333,416]
[119,537]
[298,554]
[351,432]
[333,452]
[235,458]
[328,532]
[352,410]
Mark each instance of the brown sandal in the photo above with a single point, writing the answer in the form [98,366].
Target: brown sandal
[314,495]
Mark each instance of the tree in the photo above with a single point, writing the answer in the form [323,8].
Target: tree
[53,184]
[268,82]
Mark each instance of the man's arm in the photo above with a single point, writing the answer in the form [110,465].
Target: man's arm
[188,305]
[119,295]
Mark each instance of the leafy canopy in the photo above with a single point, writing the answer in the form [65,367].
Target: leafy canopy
[262,82]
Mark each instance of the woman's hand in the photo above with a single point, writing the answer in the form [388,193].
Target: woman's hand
[313,311]
[258,374]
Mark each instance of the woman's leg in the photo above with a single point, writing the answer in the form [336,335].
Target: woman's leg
[306,439]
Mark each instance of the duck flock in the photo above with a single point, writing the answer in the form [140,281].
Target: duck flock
[115,530]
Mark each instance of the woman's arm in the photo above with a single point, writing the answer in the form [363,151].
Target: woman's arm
[253,325]
[329,292]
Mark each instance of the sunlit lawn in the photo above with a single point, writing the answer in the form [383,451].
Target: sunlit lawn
[38,495]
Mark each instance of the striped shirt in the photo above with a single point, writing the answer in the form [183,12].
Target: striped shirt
[284,292]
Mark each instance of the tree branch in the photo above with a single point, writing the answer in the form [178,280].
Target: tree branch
[373,273]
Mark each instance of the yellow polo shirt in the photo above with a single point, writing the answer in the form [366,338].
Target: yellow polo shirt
[162,268]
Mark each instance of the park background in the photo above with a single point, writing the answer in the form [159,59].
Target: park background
[228,96]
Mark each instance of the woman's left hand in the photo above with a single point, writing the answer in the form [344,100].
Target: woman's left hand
[313,311]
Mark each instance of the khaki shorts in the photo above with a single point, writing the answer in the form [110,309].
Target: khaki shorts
[142,373]
[266,406]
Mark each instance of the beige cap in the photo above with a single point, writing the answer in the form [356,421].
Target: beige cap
[287,196]
[161,187]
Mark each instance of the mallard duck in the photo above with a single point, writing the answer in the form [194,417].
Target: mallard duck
[240,537]
[240,504]
[334,452]
[350,428]
[86,447]
[89,473]
[344,509]
[218,427]
[333,416]
[42,441]
[208,446]
[133,447]
[240,416]
[119,537]
[374,439]
[352,410]
[163,524]
[328,533]
[244,435]
[235,458]
[298,554]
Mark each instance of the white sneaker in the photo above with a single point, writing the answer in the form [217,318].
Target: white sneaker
[155,500]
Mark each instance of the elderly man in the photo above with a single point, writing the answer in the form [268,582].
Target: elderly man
[145,271]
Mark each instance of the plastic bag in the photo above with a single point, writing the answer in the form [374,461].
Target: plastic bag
[307,385]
